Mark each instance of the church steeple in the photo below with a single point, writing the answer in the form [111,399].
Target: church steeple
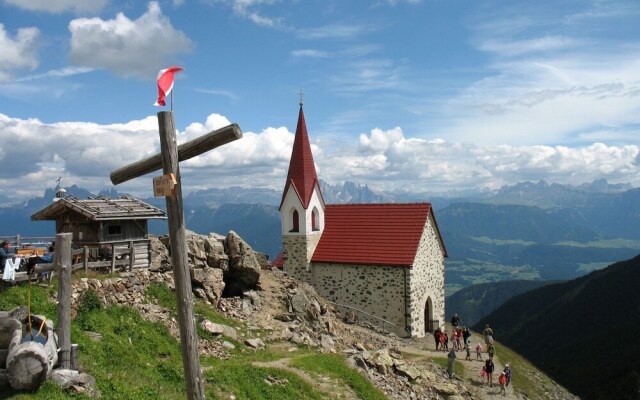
[302,171]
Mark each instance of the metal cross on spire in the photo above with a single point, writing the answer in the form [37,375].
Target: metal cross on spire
[300,93]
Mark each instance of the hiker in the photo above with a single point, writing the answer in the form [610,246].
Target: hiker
[458,336]
[502,380]
[436,337]
[466,334]
[488,334]
[507,372]
[444,341]
[479,352]
[452,361]
[46,258]
[491,349]
[467,345]
[483,374]
[490,367]
[4,254]
[455,320]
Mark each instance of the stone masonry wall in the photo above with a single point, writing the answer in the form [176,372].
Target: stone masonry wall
[128,289]
[298,250]
[427,280]
[377,290]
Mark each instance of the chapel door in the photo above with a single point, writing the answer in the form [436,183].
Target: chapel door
[428,315]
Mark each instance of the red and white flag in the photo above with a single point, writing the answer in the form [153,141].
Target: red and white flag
[165,84]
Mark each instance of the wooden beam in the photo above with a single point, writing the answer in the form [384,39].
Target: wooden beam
[178,246]
[186,151]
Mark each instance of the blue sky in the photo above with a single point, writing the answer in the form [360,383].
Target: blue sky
[429,96]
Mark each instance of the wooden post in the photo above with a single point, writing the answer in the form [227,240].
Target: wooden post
[74,357]
[132,255]
[178,242]
[62,263]
[86,260]
[186,151]
[113,259]
[169,158]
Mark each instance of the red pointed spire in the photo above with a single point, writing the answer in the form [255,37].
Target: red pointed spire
[302,171]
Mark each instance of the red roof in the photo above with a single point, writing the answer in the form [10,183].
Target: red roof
[302,170]
[373,234]
[278,262]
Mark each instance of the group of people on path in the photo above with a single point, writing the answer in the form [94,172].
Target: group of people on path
[442,339]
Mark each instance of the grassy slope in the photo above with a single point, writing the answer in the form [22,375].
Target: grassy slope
[140,360]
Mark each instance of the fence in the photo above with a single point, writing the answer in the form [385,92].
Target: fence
[384,322]
[123,255]
[28,241]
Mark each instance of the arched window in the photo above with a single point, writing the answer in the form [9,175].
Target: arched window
[315,223]
[295,222]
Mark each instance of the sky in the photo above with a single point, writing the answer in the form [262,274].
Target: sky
[403,95]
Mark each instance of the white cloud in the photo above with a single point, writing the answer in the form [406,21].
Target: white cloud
[389,160]
[18,53]
[127,47]
[572,85]
[58,6]
[334,31]
[513,48]
[85,154]
[247,9]
[56,73]
[309,53]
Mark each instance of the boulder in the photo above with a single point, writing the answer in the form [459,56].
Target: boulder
[254,343]
[212,327]
[412,373]
[244,269]
[327,343]
[160,258]
[305,306]
[210,280]
[382,361]
[445,388]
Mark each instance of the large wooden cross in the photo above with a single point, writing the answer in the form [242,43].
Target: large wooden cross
[168,159]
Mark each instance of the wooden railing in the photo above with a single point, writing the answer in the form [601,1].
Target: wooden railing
[25,241]
[122,255]
[384,321]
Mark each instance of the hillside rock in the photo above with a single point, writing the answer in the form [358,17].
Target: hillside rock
[244,269]
[208,283]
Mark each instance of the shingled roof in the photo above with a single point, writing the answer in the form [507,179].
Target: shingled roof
[302,171]
[373,234]
[101,209]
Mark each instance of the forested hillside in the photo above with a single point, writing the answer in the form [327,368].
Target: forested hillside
[476,301]
[583,333]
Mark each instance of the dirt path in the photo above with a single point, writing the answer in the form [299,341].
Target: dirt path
[472,368]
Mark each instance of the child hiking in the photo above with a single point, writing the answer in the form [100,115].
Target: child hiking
[479,352]
[502,380]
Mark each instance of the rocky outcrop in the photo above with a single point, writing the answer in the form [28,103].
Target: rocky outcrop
[244,269]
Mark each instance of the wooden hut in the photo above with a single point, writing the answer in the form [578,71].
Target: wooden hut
[102,222]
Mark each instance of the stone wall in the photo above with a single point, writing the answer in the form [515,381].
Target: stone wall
[128,289]
[426,280]
[298,250]
[376,290]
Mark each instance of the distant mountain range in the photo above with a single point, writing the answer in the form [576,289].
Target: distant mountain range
[583,333]
[548,231]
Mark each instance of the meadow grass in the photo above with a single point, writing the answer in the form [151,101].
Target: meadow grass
[137,359]
[334,366]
